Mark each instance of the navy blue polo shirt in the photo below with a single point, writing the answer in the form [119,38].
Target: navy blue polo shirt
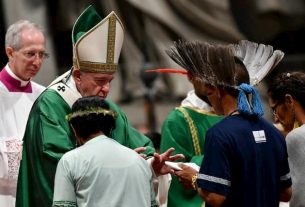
[245,159]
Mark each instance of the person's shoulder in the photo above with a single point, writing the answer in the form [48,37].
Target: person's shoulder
[227,125]
[296,133]
[50,97]
[3,89]
[38,87]
[70,156]
[113,106]
[176,112]
[183,111]
[227,121]
[49,94]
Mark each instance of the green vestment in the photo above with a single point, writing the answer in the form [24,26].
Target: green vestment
[47,137]
[185,129]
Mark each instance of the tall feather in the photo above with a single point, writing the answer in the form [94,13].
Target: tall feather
[213,64]
[259,59]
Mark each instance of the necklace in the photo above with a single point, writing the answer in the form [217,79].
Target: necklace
[233,112]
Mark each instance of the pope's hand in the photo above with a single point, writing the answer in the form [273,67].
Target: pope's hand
[139,150]
[158,162]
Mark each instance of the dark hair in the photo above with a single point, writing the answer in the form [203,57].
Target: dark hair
[241,76]
[288,83]
[92,123]
[155,137]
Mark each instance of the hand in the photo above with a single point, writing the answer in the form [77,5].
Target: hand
[139,150]
[185,175]
[158,163]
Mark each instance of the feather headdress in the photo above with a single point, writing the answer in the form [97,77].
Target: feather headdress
[217,65]
[213,64]
[259,59]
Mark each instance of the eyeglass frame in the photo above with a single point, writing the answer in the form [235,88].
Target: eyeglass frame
[31,55]
[273,108]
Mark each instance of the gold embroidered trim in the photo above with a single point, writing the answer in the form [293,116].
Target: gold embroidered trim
[193,130]
[111,39]
[87,66]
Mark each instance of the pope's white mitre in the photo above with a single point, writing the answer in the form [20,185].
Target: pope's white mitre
[97,43]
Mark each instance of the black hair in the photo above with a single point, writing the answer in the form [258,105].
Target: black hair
[155,137]
[92,123]
[288,83]
[241,76]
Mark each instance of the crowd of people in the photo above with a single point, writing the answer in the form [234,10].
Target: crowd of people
[68,145]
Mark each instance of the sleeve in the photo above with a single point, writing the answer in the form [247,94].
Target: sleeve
[128,136]
[10,156]
[159,186]
[175,133]
[295,149]
[214,175]
[64,192]
[47,137]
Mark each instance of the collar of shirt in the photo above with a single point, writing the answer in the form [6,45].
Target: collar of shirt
[13,83]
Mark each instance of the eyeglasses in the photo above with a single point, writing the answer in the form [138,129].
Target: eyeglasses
[31,55]
[273,108]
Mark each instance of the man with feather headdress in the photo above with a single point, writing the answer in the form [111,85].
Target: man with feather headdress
[245,157]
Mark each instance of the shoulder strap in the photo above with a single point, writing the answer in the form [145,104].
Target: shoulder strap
[193,130]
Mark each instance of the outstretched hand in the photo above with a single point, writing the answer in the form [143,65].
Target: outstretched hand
[158,163]
[139,150]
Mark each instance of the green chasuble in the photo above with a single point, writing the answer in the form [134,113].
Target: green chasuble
[185,129]
[47,137]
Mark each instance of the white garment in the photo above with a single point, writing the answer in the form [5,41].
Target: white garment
[103,172]
[161,185]
[14,111]
[193,101]
[295,140]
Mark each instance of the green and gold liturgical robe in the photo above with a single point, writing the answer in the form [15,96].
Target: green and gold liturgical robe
[48,136]
[185,129]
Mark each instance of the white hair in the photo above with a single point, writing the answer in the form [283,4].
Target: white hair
[13,33]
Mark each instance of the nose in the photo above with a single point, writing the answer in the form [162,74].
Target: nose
[105,90]
[37,60]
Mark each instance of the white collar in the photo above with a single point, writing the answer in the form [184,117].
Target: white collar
[192,100]
[10,72]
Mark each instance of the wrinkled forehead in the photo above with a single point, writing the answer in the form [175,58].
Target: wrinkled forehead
[103,76]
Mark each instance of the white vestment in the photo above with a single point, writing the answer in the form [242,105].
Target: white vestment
[15,106]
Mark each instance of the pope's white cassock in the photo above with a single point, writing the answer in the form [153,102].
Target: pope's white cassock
[16,99]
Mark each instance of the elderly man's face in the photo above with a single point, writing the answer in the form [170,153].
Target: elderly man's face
[26,62]
[93,84]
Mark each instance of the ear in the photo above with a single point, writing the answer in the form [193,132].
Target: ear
[210,89]
[190,77]
[289,100]
[73,130]
[79,140]
[9,52]
[76,75]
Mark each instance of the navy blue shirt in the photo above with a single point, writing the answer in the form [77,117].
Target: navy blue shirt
[246,161]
